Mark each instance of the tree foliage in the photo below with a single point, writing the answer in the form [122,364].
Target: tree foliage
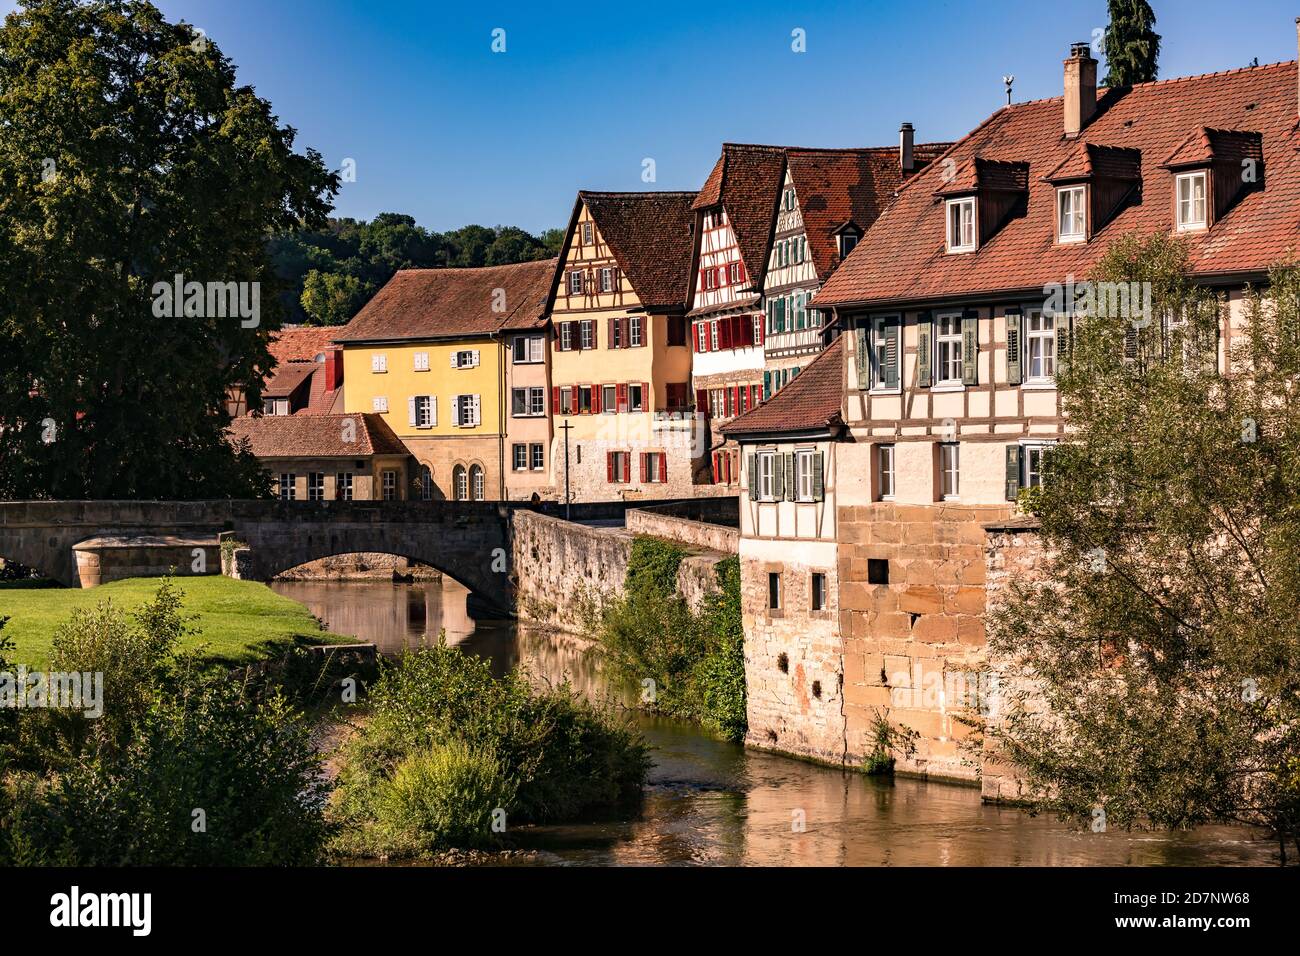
[330,273]
[1164,642]
[130,155]
[1131,44]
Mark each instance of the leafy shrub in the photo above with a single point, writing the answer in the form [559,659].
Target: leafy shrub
[442,797]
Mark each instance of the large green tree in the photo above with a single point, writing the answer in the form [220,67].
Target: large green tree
[1132,46]
[1164,640]
[129,155]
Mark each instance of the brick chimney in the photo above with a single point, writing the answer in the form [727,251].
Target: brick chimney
[333,369]
[907,136]
[1080,89]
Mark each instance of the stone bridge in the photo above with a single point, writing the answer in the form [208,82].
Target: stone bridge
[467,541]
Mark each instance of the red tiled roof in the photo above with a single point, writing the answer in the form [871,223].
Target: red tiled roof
[316,436]
[902,258]
[450,303]
[286,379]
[747,182]
[1222,145]
[650,236]
[840,186]
[302,343]
[811,401]
[1089,160]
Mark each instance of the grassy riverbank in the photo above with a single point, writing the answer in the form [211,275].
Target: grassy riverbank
[233,621]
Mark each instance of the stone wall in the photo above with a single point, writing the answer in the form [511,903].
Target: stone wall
[565,572]
[914,646]
[367,566]
[660,525]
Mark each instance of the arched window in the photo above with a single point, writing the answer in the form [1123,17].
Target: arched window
[461,483]
[426,483]
[476,480]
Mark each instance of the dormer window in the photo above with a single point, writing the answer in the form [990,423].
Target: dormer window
[848,242]
[1191,201]
[961,225]
[1071,222]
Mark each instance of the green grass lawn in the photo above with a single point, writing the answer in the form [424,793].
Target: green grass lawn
[233,621]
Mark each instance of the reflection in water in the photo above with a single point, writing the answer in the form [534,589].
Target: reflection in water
[713,803]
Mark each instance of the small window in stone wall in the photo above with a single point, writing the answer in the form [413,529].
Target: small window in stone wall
[783,662]
[877,571]
[818,591]
[774,591]
[817,689]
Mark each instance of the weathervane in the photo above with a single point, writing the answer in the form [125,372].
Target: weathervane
[1008,80]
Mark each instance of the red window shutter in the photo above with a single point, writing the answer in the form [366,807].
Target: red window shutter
[715,467]
[595,333]
[663,466]
[701,400]
[647,399]
[724,334]
[643,456]
[620,393]
[609,467]
[626,331]
[555,400]
[740,271]
[611,320]
[595,399]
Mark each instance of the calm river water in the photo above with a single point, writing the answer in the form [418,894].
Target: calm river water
[713,803]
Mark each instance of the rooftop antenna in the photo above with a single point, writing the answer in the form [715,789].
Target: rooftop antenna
[1008,80]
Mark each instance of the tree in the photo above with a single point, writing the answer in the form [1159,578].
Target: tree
[1163,640]
[129,156]
[1132,46]
[332,298]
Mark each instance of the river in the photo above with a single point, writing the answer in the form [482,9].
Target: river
[709,802]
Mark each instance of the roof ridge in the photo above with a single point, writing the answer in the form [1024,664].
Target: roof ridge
[484,268]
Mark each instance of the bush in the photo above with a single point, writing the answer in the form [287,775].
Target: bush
[696,660]
[560,756]
[443,797]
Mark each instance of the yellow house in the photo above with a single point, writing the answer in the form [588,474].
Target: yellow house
[455,362]
[625,426]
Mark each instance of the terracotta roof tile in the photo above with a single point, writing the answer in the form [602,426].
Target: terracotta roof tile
[650,236]
[902,258]
[316,436]
[811,401]
[1093,160]
[452,303]
[302,343]
[747,182]
[286,379]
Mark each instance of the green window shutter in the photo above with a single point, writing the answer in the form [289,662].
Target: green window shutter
[892,331]
[1064,326]
[970,346]
[778,476]
[767,385]
[1013,472]
[789,477]
[1130,342]
[819,487]
[1015,346]
[863,345]
[753,477]
[924,348]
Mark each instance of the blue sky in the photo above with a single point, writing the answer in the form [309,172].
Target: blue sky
[446,130]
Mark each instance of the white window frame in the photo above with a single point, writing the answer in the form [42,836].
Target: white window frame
[803,474]
[886,464]
[566,337]
[378,362]
[634,335]
[1071,214]
[388,482]
[878,325]
[713,334]
[587,334]
[425,416]
[343,486]
[379,404]
[960,232]
[767,462]
[949,471]
[1028,449]
[537,456]
[460,479]
[952,340]
[575,282]
[477,482]
[1040,346]
[421,361]
[848,242]
[1189,223]
[639,405]
[287,489]
[607,279]
[536,401]
[607,407]
[519,451]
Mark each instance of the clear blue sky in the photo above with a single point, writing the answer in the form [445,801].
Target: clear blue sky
[451,133]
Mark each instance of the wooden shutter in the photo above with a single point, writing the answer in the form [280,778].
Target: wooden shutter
[609,467]
[433,410]
[767,385]
[1130,342]
[893,331]
[611,323]
[644,461]
[1064,328]
[455,411]
[1015,346]
[473,358]
[596,396]
[663,466]
[455,359]
[862,337]
[625,332]
[753,477]
[818,477]
[410,410]
[555,400]
[702,400]
[788,464]
[970,346]
[595,333]
[620,396]
[924,348]
[647,403]
[474,410]
[724,333]
[1013,472]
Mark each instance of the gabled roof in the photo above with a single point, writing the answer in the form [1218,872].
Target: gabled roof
[981,174]
[286,379]
[316,436]
[839,187]
[747,182]
[902,258]
[454,303]
[650,235]
[1216,145]
[810,403]
[1095,161]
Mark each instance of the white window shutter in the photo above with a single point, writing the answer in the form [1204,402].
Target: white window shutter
[455,360]
[473,410]
[455,410]
[473,363]
[433,410]
[410,410]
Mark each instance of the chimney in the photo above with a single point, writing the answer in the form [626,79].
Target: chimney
[906,136]
[1080,88]
[333,369]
